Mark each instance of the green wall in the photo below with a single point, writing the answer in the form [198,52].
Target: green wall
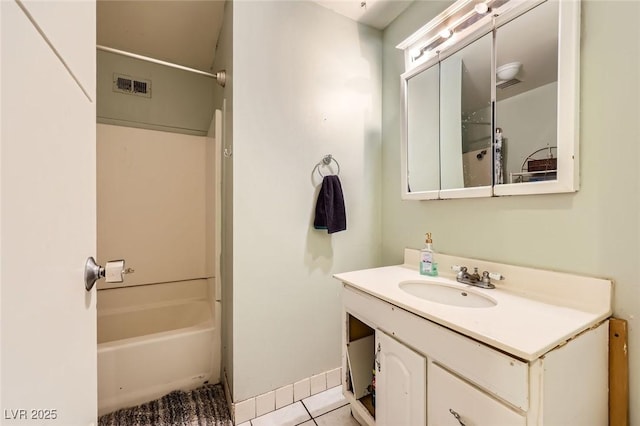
[307,84]
[181,101]
[594,231]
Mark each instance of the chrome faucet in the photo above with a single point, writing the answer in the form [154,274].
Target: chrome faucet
[463,276]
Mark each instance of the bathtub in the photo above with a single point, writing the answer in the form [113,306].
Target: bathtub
[148,349]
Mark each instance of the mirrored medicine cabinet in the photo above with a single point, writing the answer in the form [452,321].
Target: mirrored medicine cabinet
[490,101]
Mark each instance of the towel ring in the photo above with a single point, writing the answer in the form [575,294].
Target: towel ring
[326,160]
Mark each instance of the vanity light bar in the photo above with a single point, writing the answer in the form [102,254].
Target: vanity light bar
[444,33]
[435,23]
[458,19]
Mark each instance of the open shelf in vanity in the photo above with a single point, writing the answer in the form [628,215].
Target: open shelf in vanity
[360,365]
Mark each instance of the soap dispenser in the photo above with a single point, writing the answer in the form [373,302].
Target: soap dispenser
[427,266]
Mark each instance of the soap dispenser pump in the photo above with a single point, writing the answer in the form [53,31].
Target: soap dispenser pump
[427,266]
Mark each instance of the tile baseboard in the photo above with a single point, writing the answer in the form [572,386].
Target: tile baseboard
[243,411]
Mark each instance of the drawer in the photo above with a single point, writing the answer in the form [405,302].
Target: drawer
[452,401]
[500,374]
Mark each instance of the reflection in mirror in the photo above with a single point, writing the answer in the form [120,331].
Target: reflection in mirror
[526,96]
[423,133]
[465,116]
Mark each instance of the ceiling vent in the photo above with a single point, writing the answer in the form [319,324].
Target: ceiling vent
[508,83]
[131,85]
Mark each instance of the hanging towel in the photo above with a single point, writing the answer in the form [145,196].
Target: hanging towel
[330,212]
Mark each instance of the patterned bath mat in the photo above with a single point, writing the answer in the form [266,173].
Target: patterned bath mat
[205,406]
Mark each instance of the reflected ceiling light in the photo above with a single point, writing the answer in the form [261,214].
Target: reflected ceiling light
[508,71]
[445,33]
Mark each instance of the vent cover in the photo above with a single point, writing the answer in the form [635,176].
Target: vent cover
[508,83]
[131,85]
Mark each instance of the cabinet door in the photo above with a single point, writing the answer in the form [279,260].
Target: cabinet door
[400,384]
[454,402]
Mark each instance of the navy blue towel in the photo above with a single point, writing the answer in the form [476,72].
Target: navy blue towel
[330,212]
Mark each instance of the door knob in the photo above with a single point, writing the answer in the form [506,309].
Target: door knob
[113,271]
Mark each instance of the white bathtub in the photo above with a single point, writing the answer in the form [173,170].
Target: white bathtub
[148,350]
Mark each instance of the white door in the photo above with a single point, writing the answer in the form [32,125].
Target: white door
[47,212]
[401,384]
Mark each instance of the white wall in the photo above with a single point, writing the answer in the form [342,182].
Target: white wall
[307,84]
[528,122]
[595,231]
[152,204]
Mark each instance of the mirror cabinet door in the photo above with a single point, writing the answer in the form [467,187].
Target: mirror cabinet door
[465,117]
[499,115]
[423,132]
[526,96]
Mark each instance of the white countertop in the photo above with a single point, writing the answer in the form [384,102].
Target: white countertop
[524,327]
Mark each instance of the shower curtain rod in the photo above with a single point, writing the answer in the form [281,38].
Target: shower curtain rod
[219,76]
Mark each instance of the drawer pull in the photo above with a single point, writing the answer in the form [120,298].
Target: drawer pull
[457,416]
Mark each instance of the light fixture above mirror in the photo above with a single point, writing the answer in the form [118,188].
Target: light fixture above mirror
[456,22]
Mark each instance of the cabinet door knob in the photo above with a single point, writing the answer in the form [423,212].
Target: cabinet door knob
[457,416]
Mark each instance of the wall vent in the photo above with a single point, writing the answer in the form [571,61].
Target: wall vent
[131,85]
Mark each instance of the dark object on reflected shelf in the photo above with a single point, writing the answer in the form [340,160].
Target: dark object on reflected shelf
[550,164]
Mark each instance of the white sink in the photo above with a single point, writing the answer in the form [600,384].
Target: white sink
[446,294]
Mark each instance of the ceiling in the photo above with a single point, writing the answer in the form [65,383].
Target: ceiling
[185,32]
[182,32]
[375,13]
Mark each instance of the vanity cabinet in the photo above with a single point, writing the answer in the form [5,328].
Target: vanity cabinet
[428,374]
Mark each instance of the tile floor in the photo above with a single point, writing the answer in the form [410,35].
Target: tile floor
[328,408]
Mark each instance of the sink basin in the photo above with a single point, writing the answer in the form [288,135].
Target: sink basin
[446,294]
